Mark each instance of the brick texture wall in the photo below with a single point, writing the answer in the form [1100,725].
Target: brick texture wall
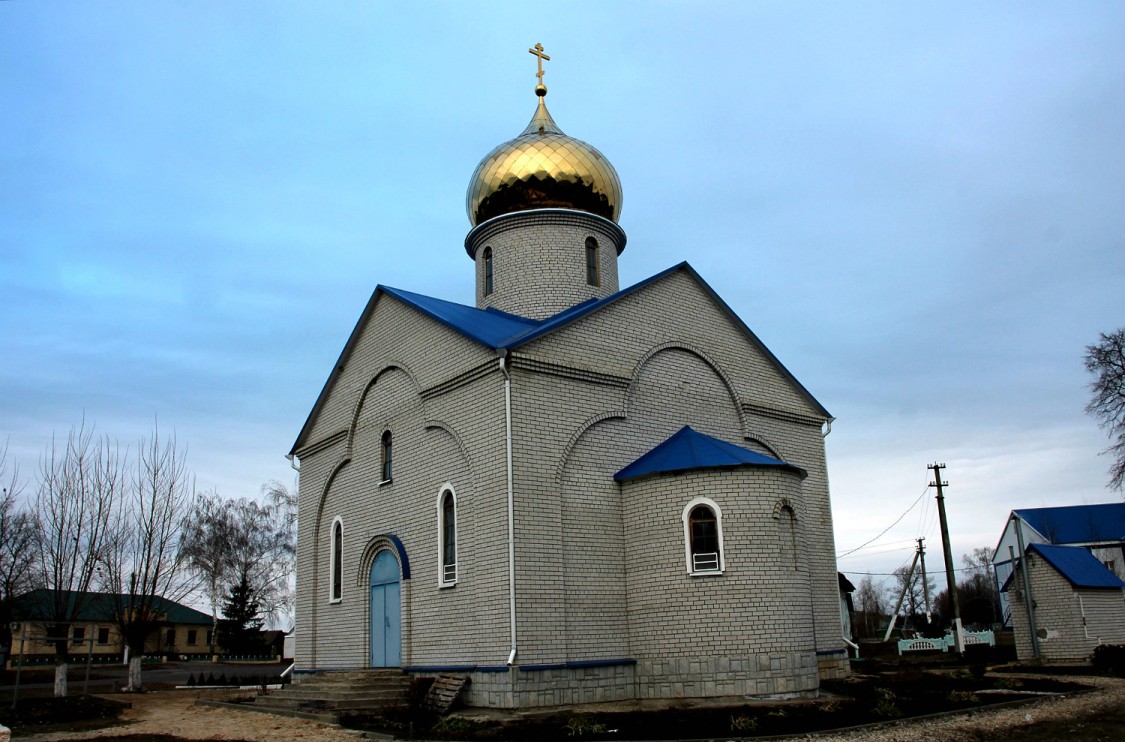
[600,573]
[1071,621]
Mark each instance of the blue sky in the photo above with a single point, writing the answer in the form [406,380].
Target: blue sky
[920,210]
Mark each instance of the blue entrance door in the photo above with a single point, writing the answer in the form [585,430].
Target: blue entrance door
[386,616]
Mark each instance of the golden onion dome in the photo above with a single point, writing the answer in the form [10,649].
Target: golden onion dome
[543,168]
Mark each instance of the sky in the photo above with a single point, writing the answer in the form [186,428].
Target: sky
[919,209]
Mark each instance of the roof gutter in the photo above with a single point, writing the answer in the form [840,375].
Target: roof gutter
[504,369]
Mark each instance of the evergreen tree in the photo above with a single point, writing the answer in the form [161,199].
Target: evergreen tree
[241,622]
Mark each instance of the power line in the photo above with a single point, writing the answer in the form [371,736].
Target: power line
[892,525]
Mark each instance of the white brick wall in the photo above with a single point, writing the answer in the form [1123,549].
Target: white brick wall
[600,569]
[1071,621]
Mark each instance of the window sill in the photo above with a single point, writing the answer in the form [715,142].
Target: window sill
[385,481]
[708,573]
[444,585]
[334,601]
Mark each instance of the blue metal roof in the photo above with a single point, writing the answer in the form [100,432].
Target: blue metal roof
[500,330]
[1078,524]
[489,327]
[688,449]
[1077,565]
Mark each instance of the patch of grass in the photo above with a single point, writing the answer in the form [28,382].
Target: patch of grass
[743,723]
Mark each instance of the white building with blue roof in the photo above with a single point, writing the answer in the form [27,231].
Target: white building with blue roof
[569,492]
[1066,605]
[1099,529]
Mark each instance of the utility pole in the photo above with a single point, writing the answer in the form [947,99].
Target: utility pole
[950,575]
[925,585]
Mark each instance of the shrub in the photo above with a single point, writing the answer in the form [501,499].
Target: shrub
[1110,658]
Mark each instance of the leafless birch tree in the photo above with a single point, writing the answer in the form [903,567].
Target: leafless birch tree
[143,564]
[79,485]
[208,544]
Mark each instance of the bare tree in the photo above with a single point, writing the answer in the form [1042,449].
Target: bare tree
[17,543]
[1106,360]
[870,605]
[914,600]
[977,591]
[208,544]
[263,554]
[143,565]
[79,486]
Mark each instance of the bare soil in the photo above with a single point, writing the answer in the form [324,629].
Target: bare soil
[171,716]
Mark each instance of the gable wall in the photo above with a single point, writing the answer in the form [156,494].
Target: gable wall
[1071,622]
[432,433]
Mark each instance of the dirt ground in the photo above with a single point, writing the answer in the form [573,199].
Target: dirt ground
[175,713]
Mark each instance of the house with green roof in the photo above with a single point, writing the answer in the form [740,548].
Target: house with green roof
[179,630]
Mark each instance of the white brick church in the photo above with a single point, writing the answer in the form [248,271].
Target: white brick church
[570,492]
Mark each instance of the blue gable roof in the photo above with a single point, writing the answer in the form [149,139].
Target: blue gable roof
[688,449]
[500,330]
[503,331]
[1078,524]
[1077,565]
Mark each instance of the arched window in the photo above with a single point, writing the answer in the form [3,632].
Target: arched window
[703,537]
[447,536]
[388,451]
[487,271]
[593,277]
[337,561]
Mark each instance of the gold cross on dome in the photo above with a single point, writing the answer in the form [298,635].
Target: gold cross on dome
[538,52]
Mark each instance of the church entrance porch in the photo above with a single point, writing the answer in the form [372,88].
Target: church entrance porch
[386,612]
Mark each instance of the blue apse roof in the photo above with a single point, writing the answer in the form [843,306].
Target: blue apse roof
[1077,565]
[1078,524]
[688,449]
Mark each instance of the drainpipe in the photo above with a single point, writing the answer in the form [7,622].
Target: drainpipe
[1027,587]
[827,427]
[511,502]
[294,462]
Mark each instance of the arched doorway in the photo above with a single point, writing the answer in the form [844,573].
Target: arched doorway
[386,612]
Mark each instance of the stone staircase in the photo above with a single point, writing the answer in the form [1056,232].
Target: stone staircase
[327,696]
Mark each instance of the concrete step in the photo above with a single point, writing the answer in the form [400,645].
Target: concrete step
[340,695]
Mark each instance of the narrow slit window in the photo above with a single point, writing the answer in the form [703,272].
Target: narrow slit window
[593,277]
[448,538]
[388,455]
[337,560]
[487,271]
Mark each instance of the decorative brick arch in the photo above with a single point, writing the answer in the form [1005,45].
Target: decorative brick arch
[382,542]
[781,505]
[391,365]
[560,468]
[701,355]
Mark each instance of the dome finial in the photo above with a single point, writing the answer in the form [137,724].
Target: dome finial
[537,50]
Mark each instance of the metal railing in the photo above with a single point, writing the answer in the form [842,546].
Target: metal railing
[707,561]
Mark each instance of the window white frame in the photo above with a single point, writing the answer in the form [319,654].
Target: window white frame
[446,573]
[335,561]
[689,561]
